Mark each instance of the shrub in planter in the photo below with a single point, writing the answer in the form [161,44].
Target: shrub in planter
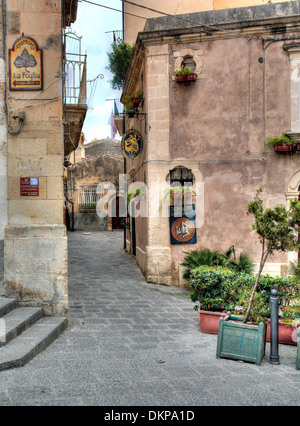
[215,258]
[289,325]
[277,229]
[185,74]
[213,289]
[260,311]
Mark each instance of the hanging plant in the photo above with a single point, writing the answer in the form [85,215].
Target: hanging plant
[133,100]
[281,143]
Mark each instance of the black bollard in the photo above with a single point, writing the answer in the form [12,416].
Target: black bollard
[274,357]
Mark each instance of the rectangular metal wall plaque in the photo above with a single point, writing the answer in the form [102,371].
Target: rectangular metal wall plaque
[183,224]
[29,187]
[25,65]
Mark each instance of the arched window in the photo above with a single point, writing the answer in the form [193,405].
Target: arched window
[189,62]
[181,176]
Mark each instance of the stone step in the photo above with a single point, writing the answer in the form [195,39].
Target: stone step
[31,342]
[16,322]
[7,305]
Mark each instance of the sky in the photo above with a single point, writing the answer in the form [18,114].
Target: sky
[92,24]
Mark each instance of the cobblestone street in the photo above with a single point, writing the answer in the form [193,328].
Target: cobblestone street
[131,343]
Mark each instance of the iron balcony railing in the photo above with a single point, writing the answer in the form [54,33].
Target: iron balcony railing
[76,79]
[75,70]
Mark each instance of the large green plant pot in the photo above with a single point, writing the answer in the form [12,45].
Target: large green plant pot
[298,351]
[238,341]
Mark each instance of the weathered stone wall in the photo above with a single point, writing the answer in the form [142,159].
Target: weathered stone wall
[35,238]
[3,167]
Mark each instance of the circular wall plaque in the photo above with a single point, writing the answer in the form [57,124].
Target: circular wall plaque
[183,230]
[132,144]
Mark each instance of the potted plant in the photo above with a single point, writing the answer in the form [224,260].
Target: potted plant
[288,289]
[213,289]
[133,100]
[298,351]
[209,257]
[137,98]
[282,143]
[277,229]
[290,323]
[185,74]
[210,315]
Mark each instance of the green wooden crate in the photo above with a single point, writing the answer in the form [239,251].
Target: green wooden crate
[298,351]
[245,342]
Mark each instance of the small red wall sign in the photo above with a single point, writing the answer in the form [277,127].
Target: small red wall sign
[29,187]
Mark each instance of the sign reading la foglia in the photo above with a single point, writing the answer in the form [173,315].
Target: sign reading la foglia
[25,65]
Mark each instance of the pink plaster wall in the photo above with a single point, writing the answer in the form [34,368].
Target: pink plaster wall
[219,121]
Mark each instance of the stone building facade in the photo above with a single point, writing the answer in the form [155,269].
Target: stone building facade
[247,90]
[33,241]
[133,24]
[102,162]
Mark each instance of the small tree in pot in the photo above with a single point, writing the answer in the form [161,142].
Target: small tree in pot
[278,231]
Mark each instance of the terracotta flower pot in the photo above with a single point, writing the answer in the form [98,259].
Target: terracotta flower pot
[287,334]
[283,147]
[136,102]
[209,321]
[186,78]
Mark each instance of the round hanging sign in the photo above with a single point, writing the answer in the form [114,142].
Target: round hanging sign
[132,144]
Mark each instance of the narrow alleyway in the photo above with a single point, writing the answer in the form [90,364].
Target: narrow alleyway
[132,343]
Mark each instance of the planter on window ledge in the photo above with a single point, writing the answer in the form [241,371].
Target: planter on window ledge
[280,147]
[283,144]
[185,75]
[185,78]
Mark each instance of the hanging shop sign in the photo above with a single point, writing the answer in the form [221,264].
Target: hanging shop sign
[183,225]
[132,144]
[25,65]
[29,187]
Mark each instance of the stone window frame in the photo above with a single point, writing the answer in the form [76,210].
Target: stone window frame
[293,51]
[180,56]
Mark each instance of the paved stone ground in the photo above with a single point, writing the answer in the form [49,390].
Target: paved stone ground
[131,343]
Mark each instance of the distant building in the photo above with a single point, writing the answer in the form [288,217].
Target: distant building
[102,162]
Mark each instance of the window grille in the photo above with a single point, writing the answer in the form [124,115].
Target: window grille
[87,197]
[181,176]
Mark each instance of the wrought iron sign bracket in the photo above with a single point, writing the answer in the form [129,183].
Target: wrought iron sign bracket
[135,114]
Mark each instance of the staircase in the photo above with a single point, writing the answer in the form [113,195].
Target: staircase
[25,332]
